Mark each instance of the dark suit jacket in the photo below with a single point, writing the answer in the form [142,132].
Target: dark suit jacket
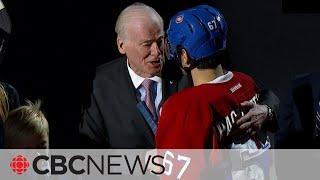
[112,118]
[297,117]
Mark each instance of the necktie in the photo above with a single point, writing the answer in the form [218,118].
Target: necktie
[147,84]
[318,119]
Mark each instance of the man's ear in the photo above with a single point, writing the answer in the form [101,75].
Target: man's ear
[185,61]
[121,47]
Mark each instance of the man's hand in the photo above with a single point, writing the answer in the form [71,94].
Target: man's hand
[254,119]
[251,123]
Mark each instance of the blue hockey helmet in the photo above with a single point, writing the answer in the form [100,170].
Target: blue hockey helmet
[201,30]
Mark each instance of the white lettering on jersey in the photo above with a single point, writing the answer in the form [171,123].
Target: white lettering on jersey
[225,127]
[255,99]
[236,87]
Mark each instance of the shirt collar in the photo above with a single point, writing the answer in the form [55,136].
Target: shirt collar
[221,79]
[137,80]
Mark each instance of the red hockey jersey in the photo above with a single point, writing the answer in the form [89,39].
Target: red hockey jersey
[187,118]
[198,118]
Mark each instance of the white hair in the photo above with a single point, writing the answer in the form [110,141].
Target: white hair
[126,15]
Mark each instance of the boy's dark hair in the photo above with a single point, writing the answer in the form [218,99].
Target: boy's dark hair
[209,62]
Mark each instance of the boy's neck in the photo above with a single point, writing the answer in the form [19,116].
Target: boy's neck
[202,76]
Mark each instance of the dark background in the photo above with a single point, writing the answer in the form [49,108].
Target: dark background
[55,46]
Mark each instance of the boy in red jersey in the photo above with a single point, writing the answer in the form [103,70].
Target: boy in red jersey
[205,116]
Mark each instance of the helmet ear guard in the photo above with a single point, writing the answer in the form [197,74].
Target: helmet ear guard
[201,31]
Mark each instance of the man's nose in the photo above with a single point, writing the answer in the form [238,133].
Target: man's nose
[155,49]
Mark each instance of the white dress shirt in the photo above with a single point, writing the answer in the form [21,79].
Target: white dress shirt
[137,81]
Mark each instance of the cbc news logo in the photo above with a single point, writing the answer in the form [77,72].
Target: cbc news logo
[19,164]
[103,164]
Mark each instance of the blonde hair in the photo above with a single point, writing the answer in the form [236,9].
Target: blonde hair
[126,15]
[4,104]
[25,121]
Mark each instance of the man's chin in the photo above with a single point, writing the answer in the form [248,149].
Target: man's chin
[156,70]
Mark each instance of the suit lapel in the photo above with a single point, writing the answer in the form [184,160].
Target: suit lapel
[131,99]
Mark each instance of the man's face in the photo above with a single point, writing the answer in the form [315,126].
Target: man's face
[143,46]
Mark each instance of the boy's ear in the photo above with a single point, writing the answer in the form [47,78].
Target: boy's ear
[185,59]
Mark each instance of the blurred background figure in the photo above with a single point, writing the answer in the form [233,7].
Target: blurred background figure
[299,128]
[5,29]
[12,96]
[3,113]
[299,121]
[9,98]
[27,127]
[4,105]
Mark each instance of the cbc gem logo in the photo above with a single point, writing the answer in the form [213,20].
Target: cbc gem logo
[19,164]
